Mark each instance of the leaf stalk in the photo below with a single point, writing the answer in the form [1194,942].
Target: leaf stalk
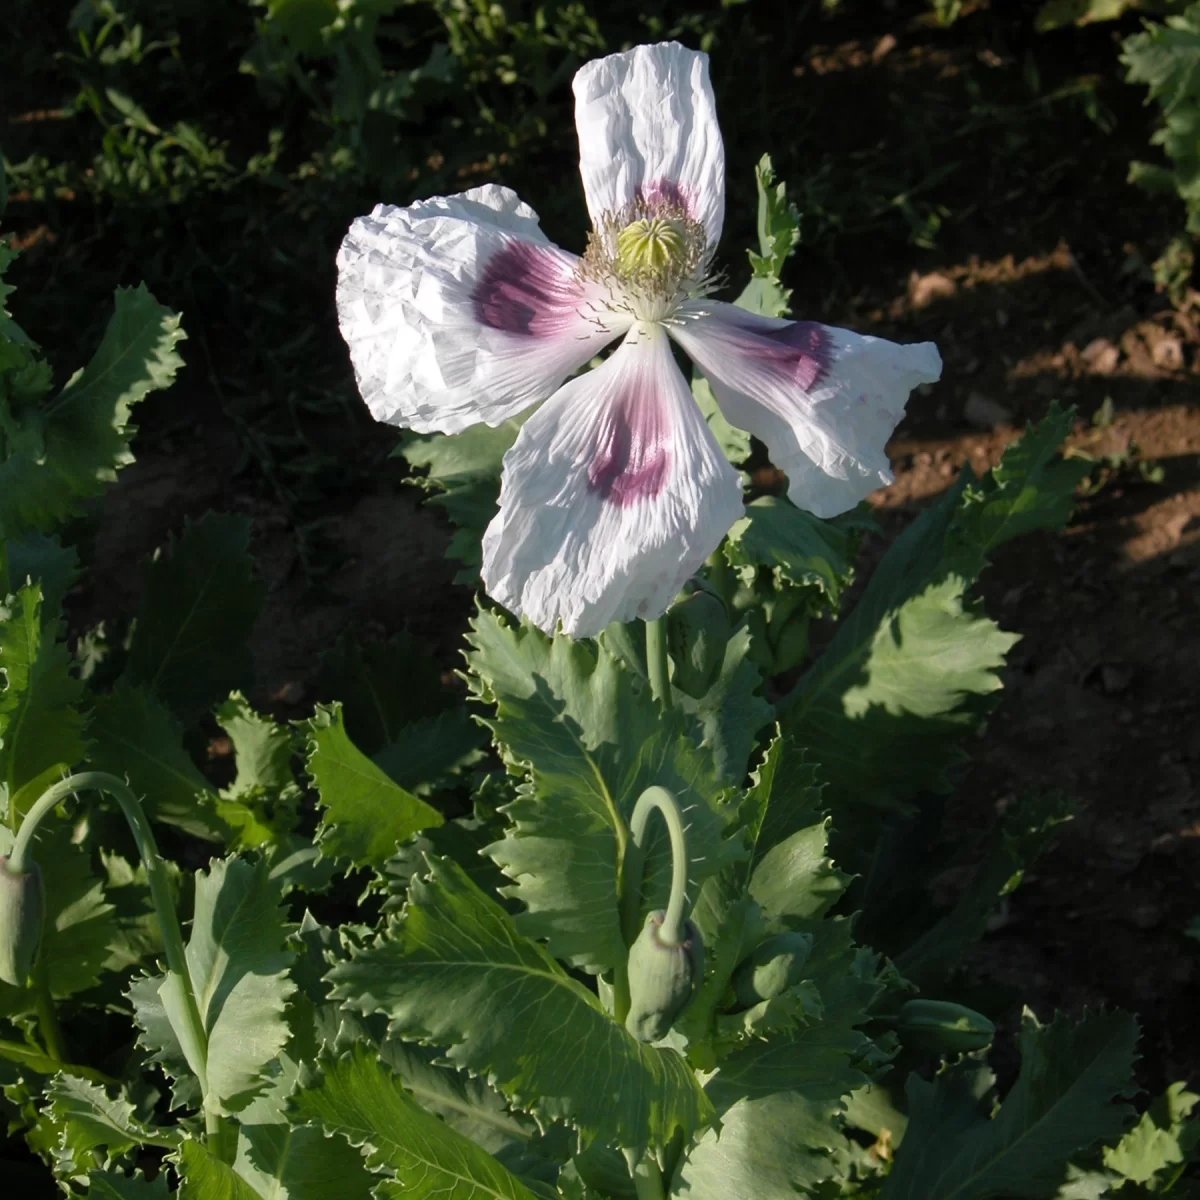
[160,893]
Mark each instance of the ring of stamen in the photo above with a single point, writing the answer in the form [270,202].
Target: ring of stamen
[653,250]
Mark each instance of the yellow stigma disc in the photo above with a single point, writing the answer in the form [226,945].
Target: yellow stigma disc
[651,244]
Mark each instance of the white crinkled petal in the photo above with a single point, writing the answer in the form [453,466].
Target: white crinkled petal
[823,400]
[647,124]
[458,310]
[613,495]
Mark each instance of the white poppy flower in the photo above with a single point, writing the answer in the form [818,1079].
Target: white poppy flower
[458,310]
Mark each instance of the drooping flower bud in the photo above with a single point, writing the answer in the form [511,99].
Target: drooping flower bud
[662,978]
[943,1027]
[697,632]
[22,909]
[774,966]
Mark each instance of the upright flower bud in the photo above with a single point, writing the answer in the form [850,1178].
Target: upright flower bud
[774,966]
[662,977]
[22,909]
[698,629]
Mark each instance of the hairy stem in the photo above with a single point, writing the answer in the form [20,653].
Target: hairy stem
[657,663]
[671,932]
[160,893]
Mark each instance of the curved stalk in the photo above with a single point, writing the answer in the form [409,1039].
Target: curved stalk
[658,666]
[671,931]
[160,893]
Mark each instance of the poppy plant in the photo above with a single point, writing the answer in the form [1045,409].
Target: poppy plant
[459,310]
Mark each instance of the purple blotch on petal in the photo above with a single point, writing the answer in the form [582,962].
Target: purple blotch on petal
[630,456]
[801,349]
[527,290]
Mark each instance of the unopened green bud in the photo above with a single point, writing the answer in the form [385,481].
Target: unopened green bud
[697,632]
[775,965]
[792,644]
[943,1027]
[22,908]
[662,978]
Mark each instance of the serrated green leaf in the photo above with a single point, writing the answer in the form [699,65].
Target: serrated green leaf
[239,965]
[365,814]
[41,732]
[136,736]
[30,1059]
[796,878]
[1163,1141]
[885,726]
[1061,1103]
[798,548]
[203,1176]
[1023,834]
[429,752]
[109,1185]
[732,712]
[89,1118]
[463,477]
[287,1161]
[783,802]
[85,429]
[262,749]
[778,1100]
[359,1099]
[199,602]
[79,925]
[594,740]
[1030,488]
[47,562]
[455,972]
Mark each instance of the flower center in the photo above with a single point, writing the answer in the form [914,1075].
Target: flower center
[651,244]
[651,255]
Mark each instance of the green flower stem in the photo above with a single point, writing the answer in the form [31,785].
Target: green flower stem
[47,1015]
[160,893]
[671,932]
[657,664]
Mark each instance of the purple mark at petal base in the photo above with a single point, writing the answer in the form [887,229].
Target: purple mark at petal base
[630,456]
[526,290]
[801,349]
[663,193]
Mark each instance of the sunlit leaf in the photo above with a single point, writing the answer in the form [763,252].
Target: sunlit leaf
[455,972]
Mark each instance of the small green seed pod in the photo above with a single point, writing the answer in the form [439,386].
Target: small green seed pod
[697,631]
[22,909]
[661,978]
[774,966]
[792,646]
[943,1027]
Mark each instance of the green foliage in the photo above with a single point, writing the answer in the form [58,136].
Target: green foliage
[366,815]
[134,734]
[1062,1102]
[454,971]
[462,476]
[239,967]
[41,732]
[1056,13]
[56,453]
[580,731]
[1165,57]
[912,667]
[1166,1138]
[358,1098]
[199,602]
[79,925]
